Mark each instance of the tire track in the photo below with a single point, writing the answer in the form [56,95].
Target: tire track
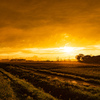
[62,77]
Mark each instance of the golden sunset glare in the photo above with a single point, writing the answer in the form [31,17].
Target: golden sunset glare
[68,49]
[49,28]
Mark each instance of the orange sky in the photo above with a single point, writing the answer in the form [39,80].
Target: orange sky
[45,25]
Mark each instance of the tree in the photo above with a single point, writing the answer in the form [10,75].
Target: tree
[80,57]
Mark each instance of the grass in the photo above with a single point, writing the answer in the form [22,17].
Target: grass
[57,88]
[6,91]
[29,88]
[75,68]
[73,76]
[37,74]
[84,78]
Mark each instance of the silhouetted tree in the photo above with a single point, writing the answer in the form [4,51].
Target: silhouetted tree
[80,57]
[88,58]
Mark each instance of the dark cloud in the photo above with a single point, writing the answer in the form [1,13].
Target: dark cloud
[39,23]
[29,14]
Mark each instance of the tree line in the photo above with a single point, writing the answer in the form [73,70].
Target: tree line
[88,58]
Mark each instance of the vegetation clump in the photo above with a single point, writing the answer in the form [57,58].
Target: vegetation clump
[88,58]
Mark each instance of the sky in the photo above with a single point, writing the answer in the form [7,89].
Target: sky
[48,29]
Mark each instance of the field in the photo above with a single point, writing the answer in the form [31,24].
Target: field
[49,81]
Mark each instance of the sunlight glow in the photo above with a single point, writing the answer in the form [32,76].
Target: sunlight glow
[68,49]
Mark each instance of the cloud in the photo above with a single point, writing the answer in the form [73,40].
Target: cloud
[42,23]
[29,14]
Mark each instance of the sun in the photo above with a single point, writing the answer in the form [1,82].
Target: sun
[68,49]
